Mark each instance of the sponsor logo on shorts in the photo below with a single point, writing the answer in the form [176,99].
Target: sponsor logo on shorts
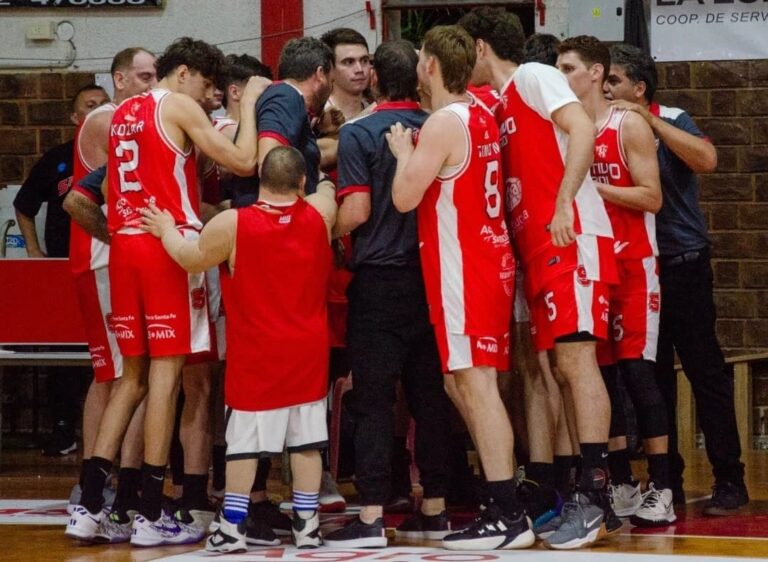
[581,276]
[487,344]
[161,332]
[197,296]
[654,302]
[122,331]
[98,361]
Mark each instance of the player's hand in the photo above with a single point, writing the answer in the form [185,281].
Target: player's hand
[330,121]
[155,221]
[254,88]
[636,107]
[400,140]
[561,227]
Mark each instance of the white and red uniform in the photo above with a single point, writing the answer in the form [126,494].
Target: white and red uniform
[89,258]
[276,301]
[568,283]
[157,307]
[466,257]
[635,300]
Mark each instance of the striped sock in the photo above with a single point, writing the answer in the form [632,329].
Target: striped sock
[306,502]
[235,507]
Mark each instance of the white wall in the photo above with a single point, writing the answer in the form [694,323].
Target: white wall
[322,15]
[556,18]
[100,34]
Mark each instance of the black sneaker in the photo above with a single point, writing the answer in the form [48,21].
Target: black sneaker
[492,530]
[541,504]
[727,498]
[257,532]
[424,527]
[268,512]
[62,441]
[678,494]
[611,522]
[357,534]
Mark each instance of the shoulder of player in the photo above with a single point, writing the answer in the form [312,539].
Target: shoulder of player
[280,92]
[225,220]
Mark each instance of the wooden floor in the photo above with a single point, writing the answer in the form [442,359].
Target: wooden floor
[27,475]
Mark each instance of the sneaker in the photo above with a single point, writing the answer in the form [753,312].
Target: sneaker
[166,530]
[545,530]
[83,525]
[541,504]
[424,527]
[657,509]
[727,498]
[258,532]
[306,532]
[356,534]
[492,530]
[76,494]
[270,513]
[581,524]
[62,441]
[611,521]
[228,538]
[331,501]
[200,519]
[115,528]
[625,498]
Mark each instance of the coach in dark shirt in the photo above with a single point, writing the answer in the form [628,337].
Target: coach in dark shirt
[49,181]
[389,336]
[688,313]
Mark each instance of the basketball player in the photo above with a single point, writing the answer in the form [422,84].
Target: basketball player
[468,267]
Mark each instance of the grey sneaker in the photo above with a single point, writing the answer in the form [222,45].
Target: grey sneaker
[115,528]
[581,524]
[76,494]
[546,530]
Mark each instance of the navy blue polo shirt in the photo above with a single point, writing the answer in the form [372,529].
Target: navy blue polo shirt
[366,164]
[90,185]
[680,224]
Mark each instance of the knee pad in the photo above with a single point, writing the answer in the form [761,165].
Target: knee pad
[640,380]
[618,414]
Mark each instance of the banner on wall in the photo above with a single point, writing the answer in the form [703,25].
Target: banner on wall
[689,30]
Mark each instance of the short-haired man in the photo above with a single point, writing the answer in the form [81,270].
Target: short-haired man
[468,267]
[687,323]
[151,160]
[563,237]
[626,173]
[351,72]
[277,372]
[390,337]
[133,72]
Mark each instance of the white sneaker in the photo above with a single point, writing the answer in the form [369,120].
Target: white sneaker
[83,525]
[166,530]
[625,498]
[657,509]
[115,529]
[228,538]
[306,532]
[331,501]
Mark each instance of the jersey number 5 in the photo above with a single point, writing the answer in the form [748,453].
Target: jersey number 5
[127,152]
[492,196]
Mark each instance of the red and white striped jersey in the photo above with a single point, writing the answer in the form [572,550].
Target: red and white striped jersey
[85,251]
[634,232]
[466,257]
[534,150]
[146,166]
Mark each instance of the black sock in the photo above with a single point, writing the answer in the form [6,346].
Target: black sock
[562,467]
[503,493]
[543,473]
[594,470]
[619,467]
[83,468]
[152,480]
[219,467]
[96,475]
[128,486]
[262,474]
[658,470]
[195,493]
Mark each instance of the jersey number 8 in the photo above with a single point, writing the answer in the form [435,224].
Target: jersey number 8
[492,196]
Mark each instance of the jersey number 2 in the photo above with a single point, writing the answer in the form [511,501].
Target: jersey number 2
[127,152]
[492,196]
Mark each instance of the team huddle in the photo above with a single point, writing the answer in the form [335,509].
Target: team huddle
[493,211]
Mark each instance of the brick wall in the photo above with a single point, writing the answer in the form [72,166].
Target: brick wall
[34,117]
[729,101]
